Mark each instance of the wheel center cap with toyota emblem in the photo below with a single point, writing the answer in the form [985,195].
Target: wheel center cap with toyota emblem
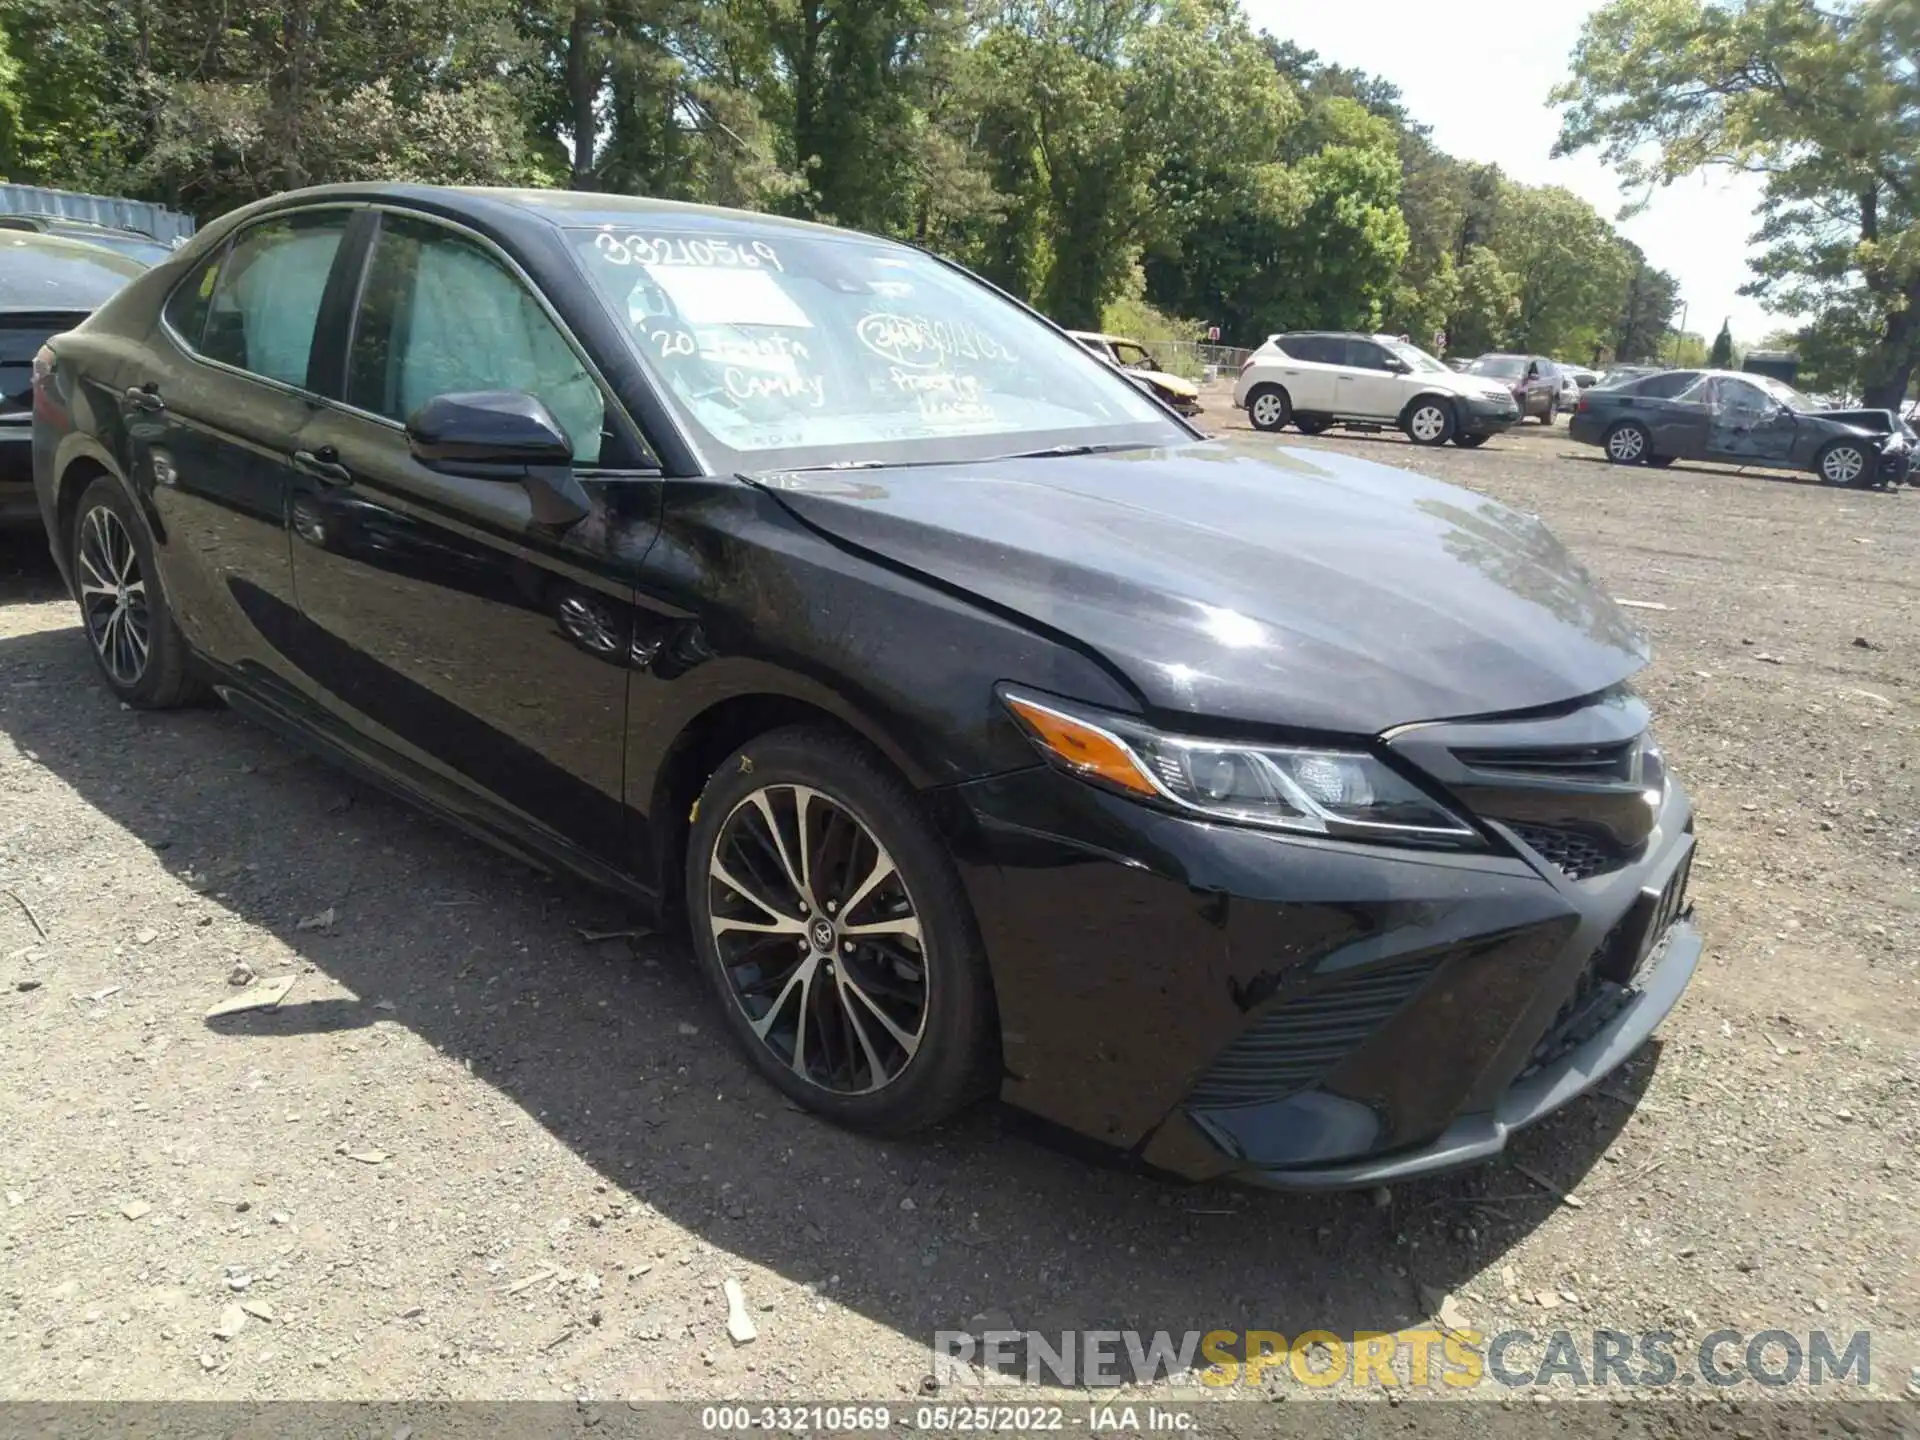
[821,933]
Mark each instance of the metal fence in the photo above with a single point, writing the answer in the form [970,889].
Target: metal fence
[1197,360]
[164,225]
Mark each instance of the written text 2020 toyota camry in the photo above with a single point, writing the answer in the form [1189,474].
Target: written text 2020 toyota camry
[1254,813]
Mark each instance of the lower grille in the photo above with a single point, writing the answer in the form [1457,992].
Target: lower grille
[1606,980]
[1578,855]
[1298,1041]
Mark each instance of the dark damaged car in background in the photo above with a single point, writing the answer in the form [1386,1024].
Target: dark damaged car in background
[1252,812]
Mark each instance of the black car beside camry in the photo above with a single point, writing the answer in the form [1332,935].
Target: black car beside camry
[1743,419]
[1253,812]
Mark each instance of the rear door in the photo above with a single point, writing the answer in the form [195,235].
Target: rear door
[213,423]
[1306,372]
[482,656]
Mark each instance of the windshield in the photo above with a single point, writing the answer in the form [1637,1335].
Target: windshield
[786,349]
[1413,355]
[1784,393]
[44,272]
[1502,367]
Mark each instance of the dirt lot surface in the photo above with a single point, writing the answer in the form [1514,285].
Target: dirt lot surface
[478,1153]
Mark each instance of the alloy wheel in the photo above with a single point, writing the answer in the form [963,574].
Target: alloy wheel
[113,596]
[818,938]
[588,624]
[1626,444]
[1428,423]
[1842,465]
[1266,410]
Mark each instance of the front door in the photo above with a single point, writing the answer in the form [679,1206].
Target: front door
[1747,425]
[485,655]
[1370,386]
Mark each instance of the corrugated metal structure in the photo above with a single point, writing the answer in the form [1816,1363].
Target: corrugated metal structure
[162,224]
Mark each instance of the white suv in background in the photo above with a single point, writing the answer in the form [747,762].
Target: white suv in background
[1318,378]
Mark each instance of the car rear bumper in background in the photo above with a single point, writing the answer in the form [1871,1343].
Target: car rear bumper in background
[1586,428]
[1296,1012]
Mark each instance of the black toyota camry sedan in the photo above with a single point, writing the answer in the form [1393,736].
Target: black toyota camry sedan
[1250,811]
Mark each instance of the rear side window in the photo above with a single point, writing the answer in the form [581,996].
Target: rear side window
[265,301]
[187,307]
[1667,386]
[1314,349]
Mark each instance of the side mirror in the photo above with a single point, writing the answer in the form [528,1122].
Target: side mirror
[504,435]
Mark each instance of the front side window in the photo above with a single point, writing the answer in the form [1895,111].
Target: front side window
[1738,400]
[440,315]
[265,303]
[782,348]
[1128,353]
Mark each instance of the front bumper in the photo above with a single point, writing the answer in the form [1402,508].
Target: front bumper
[1137,955]
[1487,415]
[1473,1138]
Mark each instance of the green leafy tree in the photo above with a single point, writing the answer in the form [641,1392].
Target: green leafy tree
[1822,101]
[1484,315]
[1646,310]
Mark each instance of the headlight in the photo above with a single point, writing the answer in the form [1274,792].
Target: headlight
[1341,793]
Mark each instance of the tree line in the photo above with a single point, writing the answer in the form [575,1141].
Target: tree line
[1083,154]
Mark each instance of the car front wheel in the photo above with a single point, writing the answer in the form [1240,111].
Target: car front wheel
[1845,464]
[1628,444]
[832,925]
[1430,422]
[140,651]
[1268,408]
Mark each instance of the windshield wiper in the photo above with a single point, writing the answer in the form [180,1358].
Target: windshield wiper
[1053,450]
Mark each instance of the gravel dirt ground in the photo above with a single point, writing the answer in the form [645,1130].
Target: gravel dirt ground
[481,1152]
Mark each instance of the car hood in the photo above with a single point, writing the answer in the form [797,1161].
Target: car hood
[1172,384]
[1874,422]
[1241,582]
[1461,383]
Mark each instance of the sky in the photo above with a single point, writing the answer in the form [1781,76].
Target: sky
[1478,73]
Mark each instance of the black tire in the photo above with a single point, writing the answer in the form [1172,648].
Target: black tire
[1470,442]
[1269,407]
[1310,424]
[954,1058]
[1846,462]
[1659,462]
[1628,443]
[136,646]
[1429,420]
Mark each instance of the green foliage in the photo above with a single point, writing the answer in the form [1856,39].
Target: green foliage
[1132,318]
[1140,159]
[1823,101]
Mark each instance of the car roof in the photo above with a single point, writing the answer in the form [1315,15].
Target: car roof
[566,209]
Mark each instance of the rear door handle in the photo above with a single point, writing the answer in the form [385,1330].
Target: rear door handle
[146,397]
[322,465]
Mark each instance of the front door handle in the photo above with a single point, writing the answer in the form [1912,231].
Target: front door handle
[146,397]
[322,465]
